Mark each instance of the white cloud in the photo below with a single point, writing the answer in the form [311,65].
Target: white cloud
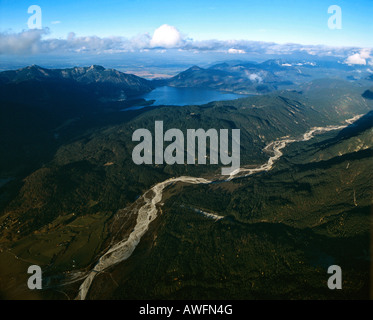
[166,36]
[365,53]
[255,78]
[236,51]
[55,22]
[25,42]
[359,58]
[355,59]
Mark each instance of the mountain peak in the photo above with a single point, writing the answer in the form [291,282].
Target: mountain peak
[32,67]
[195,68]
[96,67]
[31,72]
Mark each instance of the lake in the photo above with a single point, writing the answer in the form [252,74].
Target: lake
[184,96]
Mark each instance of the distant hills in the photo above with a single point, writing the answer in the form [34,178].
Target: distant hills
[258,78]
[84,75]
[111,85]
[240,78]
[98,80]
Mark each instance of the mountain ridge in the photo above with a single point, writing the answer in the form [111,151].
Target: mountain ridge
[118,84]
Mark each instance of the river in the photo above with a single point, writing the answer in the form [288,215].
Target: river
[147,212]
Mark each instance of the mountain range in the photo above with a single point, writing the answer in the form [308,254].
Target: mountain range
[68,185]
[100,81]
[258,78]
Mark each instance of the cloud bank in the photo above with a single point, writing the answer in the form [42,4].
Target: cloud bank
[26,42]
[165,37]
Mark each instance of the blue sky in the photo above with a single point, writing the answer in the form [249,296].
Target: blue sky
[294,21]
[149,32]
